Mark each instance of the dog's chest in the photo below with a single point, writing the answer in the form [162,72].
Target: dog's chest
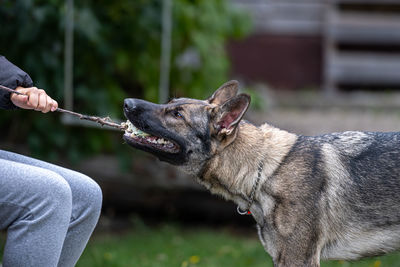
[263,216]
[354,245]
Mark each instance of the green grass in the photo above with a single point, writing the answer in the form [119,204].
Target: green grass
[173,246]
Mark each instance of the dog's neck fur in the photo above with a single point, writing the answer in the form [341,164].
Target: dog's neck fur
[233,171]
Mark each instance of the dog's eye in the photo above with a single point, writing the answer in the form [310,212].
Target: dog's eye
[177,114]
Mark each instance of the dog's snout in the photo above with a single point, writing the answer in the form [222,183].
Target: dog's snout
[133,105]
[129,104]
[136,107]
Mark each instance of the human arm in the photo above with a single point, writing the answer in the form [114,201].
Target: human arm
[13,77]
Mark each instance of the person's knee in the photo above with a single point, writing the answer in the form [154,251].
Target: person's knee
[61,194]
[51,196]
[57,188]
[92,196]
[95,196]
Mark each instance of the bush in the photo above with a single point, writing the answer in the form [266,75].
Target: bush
[116,54]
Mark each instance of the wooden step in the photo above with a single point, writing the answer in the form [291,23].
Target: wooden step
[366,2]
[284,16]
[364,28]
[364,68]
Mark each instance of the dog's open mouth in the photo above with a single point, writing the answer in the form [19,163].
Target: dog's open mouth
[139,137]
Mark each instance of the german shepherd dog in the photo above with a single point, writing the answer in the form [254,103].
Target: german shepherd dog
[333,196]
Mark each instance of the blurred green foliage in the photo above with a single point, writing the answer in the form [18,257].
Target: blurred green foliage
[116,55]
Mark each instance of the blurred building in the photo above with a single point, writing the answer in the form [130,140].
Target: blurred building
[335,45]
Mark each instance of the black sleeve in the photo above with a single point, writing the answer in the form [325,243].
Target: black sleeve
[11,76]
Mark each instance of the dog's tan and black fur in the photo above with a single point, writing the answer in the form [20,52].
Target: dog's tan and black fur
[334,196]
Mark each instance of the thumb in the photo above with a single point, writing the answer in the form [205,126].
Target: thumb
[23,98]
[19,99]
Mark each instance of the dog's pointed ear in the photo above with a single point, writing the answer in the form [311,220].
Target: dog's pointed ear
[230,114]
[225,92]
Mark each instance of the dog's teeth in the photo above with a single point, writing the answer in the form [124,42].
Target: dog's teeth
[134,132]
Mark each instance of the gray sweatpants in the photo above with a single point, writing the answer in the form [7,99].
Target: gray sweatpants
[49,212]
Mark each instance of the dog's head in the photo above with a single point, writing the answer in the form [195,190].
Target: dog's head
[186,131]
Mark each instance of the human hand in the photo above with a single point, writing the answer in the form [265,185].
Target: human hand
[34,98]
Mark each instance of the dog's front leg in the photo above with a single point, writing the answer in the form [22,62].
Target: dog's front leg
[290,261]
[295,255]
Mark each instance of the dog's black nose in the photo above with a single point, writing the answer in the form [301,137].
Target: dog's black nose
[129,104]
[136,107]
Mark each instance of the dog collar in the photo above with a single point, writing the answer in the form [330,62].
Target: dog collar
[253,192]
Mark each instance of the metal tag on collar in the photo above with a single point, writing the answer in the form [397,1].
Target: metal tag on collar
[246,212]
